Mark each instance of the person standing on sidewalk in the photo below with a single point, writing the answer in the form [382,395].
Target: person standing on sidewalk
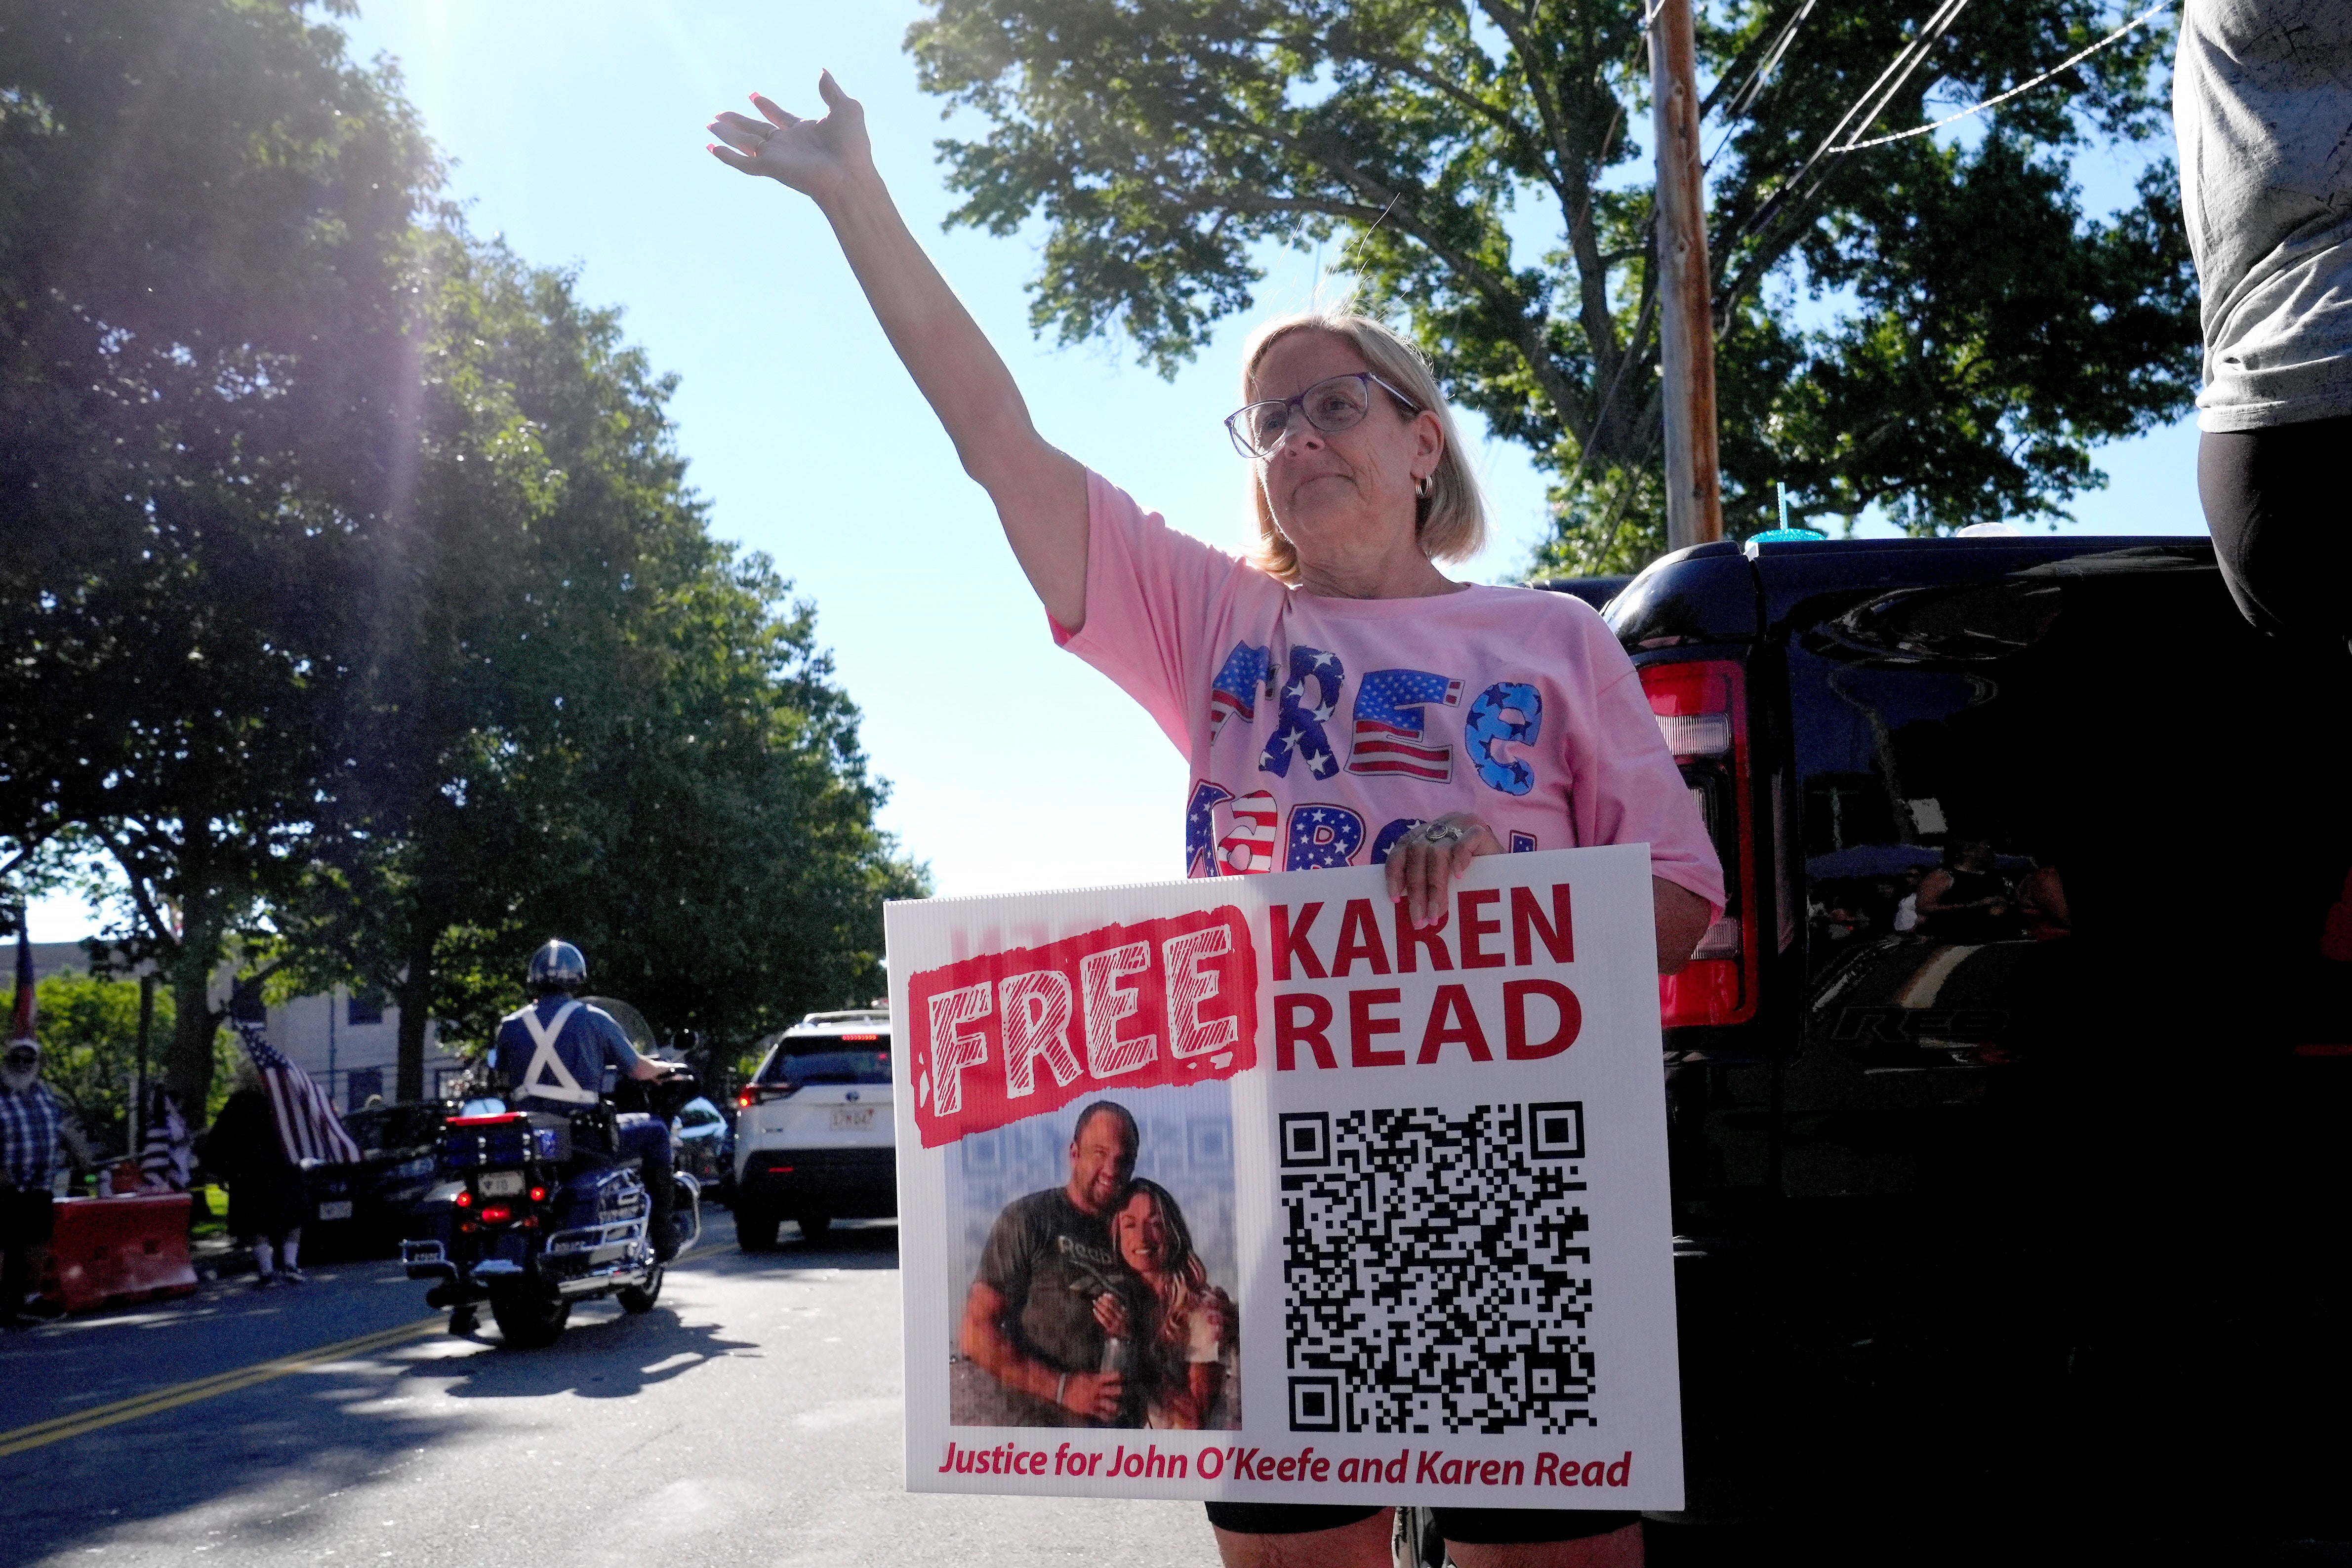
[265,1187]
[32,1123]
[2261,93]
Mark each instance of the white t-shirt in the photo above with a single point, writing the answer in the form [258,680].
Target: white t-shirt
[2262,103]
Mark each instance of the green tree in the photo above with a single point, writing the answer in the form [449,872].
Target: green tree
[573,698]
[204,212]
[1933,327]
[88,1029]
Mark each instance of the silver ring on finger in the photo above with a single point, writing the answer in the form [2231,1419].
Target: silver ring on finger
[1445,833]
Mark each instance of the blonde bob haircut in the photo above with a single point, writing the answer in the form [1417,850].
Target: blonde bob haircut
[1451,521]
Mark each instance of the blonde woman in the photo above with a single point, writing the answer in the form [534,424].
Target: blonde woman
[1342,700]
[1182,1335]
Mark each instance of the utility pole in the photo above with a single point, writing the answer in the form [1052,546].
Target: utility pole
[138,1093]
[1685,301]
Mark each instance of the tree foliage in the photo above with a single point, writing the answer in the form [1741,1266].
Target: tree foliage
[580,715]
[204,216]
[1933,327]
[359,614]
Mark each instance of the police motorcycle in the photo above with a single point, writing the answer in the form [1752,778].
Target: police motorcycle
[532,1212]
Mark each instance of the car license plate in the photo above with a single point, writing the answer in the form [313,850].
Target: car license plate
[501,1184]
[852,1115]
[340,1209]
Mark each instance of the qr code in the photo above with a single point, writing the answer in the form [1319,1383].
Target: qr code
[1436,1270]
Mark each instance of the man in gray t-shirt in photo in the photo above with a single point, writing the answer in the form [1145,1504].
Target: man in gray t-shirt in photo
[1029,1321]
[2262,103]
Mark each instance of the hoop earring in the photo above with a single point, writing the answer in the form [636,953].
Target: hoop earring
[1421,487]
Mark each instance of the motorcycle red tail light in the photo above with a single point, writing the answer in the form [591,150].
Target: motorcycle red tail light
[465,1200]
[496,1214]
[538,1195]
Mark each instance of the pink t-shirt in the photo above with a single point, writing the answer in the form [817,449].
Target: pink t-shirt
[1320,730]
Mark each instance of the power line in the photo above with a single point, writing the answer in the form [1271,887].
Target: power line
[2062,66]
[1865,109]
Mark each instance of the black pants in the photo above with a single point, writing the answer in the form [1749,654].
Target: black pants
[28,1219]
[2279,504]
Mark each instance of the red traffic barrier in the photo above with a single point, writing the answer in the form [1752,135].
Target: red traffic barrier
[108,1251]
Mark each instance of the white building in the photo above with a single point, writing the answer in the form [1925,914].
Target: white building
[349,1044]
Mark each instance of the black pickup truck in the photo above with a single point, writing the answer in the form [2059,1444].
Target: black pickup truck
[2008,1100]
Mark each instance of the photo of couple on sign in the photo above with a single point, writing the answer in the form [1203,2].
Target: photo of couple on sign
[1090,1304]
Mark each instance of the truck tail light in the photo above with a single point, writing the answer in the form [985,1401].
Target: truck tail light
[1701,706]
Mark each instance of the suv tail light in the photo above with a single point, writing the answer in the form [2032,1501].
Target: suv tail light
[1701,705]
[759,1094]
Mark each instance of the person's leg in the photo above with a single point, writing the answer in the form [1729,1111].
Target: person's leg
[1541,1538]
[264,1260]
[15,1262]
[1276,1536]
[290,1248]
[1620,1548]
[2280,516]
[15,1254]
[647,1137]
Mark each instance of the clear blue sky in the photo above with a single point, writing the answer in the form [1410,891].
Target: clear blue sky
[577,131]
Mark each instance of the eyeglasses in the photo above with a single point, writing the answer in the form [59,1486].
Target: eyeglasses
[1332,405]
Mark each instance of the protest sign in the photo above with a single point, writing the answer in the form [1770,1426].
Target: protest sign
[1245,1188]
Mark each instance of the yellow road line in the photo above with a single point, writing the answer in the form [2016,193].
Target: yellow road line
[58,1429]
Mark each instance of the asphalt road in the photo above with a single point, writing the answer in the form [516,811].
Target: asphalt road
[751,1418]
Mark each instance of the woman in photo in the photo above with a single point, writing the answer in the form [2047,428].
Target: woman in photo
[1342,700]
[1181,1342]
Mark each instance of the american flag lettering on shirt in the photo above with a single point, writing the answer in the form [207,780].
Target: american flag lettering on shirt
[307,1127]
[1248,847]
[1233,693]
[1201,828]
[1389,737]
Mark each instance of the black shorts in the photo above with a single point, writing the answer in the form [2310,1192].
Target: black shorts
[1470,1526]
[2276,505]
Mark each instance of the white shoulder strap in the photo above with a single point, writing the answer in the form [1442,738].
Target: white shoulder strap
[544,1062]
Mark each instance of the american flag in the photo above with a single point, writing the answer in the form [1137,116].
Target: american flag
[1389,737]
[307,1127]
[1233,693]
[23,1029]
[164,1160]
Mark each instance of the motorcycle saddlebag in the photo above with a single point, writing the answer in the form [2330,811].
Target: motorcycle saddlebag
[551,1137]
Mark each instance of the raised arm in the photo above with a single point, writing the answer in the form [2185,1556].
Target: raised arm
[1040,491]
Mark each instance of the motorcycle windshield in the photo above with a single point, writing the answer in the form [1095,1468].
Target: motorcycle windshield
[633,1022]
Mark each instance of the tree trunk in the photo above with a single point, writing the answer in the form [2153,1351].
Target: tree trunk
[188,1071]
[415,995]
[189,969]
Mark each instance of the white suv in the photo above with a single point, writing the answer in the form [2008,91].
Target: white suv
[812,1136]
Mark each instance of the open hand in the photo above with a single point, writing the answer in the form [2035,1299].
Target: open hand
[812,156]
[1425,863]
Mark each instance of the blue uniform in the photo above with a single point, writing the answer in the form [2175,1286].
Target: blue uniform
[556,1052]
[587,1042]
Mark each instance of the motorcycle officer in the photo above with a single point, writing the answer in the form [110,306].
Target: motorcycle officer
[554,1052]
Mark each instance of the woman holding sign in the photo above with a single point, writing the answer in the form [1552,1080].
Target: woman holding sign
[1342,700]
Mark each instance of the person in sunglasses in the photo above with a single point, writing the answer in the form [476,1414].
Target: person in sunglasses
[1342,700]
